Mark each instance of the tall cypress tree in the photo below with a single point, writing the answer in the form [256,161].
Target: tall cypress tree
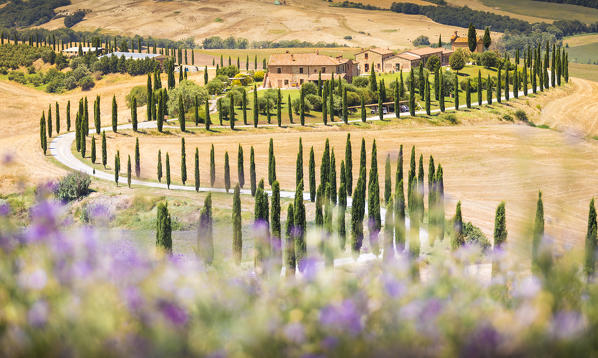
[399,216]
[96,115]
[345,109]
[237,228]
[479,84]
[397,98]
[456,85]
[244,106]
[500,226]
[196,111]
[116,167]
[357,213]
[374,219]
[325,165]
[129,172]
[163,229]
[412,94]
[137,158]
[590,247]
[499,86]
[167,170]
[271,163]
[114,114]
[134,114]
[49,122]
[196,171]
[324,106]
[538,233]
[181,114]
[441,92]
[240,166]
[255,108]
[290,110]
[275,223]
[252,177]
[212,167]
[363,112]
[104,150]
[299,164]
[279,108]
[349,165]
[226,172]
[299,227]
[472,39]
[427,96]
[468,93]
[458,238]
[489,91]
[93,149]
[42,134]
[332,178]
[183,162]
[290,262]
[342,204]
[312,175]
[387,180]
[231,111]
[57,118]
[205,234]
[507,80]
[389,229]
[207,118]
[302,106]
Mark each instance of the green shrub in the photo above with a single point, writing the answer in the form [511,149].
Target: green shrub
[521,115]
[451,118]
[259,76]
[361,81]
[140,95]
[86,83]
[315,101]
[473,235]
[508,118]
[72,187]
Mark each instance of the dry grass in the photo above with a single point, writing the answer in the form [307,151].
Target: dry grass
[309,20]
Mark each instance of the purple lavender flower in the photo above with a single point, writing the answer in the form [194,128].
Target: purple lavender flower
[175,314]
[483,342]
[294,332]
[38,314]
[342,317]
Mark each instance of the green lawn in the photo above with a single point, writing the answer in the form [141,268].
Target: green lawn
[587,54]
[588,72]
[545,10]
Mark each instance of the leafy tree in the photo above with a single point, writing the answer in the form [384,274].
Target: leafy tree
[237,226]
[163,228]
[457,61]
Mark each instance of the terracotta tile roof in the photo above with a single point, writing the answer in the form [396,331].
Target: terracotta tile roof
[302,59]
[378,50]
[424,51]
[409,56]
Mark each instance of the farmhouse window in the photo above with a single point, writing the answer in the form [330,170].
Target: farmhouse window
[279,70]
[366,55]
[323,69]
[300,69]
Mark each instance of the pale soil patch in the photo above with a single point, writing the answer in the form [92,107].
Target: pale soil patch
[306,20]
[580,40]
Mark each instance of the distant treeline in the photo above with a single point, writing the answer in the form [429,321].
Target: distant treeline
[586,3]
[356,5]
[216,42]
[463,16]
[19,13]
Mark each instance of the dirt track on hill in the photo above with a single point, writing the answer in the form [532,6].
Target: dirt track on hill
[576,113]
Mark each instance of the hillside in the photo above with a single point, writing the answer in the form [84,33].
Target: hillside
[307,20]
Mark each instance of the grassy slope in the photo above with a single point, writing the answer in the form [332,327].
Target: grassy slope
[545,10]
[588,72]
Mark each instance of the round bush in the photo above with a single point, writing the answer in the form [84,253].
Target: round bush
[72,187]
[315,101]
[361,81]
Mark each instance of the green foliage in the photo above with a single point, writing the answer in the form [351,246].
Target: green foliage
[187,91]
[28,13]
[72,187]
[163,228]
[457,60]
[139,93]
[237,226]
[421,40]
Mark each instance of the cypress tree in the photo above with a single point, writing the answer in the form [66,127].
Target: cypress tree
[331,99]
[244,106]
[160,117]
[479,88]
[129,172]
[207,119]
[349,165]
[104,150]
[163,229]
[397,100]
[472,38]
[83,146]
[114,114]
[302,106]
[507,81]
[49,126]
[374,219]
[427,96]
[439,198]
[42,134]
[231,111]
[456,92]
[387,180]
[299,164]
[196,172]
[524,73]
[441,90]
[237,228]
[96,115]
[183,162]
[458,238]
[332,178]
[412,94]
[68,116]
[363,113]
[489,91]
[219,107]
[380,107]
[271,163]
[312,175]
[226,172]
[134,114]
[299,227]
[86,119]
[116,167]
[421,80]
[500,226]
[275,214]
[324,106]
[255,107]
[399,216]
[150,97]
[357,212]
[342,203]
[373,81]
[137,157]
[590,246]
[159,169]
[279,108]
[252,177]
[57,118]
[468,93]
[205,234]
[93,150]
[240,167]
[167,171]
[538,230]
[212,167]
[289,243]
[181,114]
[389,229]
[290,109]
[325,165]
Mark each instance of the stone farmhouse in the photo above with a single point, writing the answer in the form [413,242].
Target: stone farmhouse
[289,70]
[458,42]
[387,62]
